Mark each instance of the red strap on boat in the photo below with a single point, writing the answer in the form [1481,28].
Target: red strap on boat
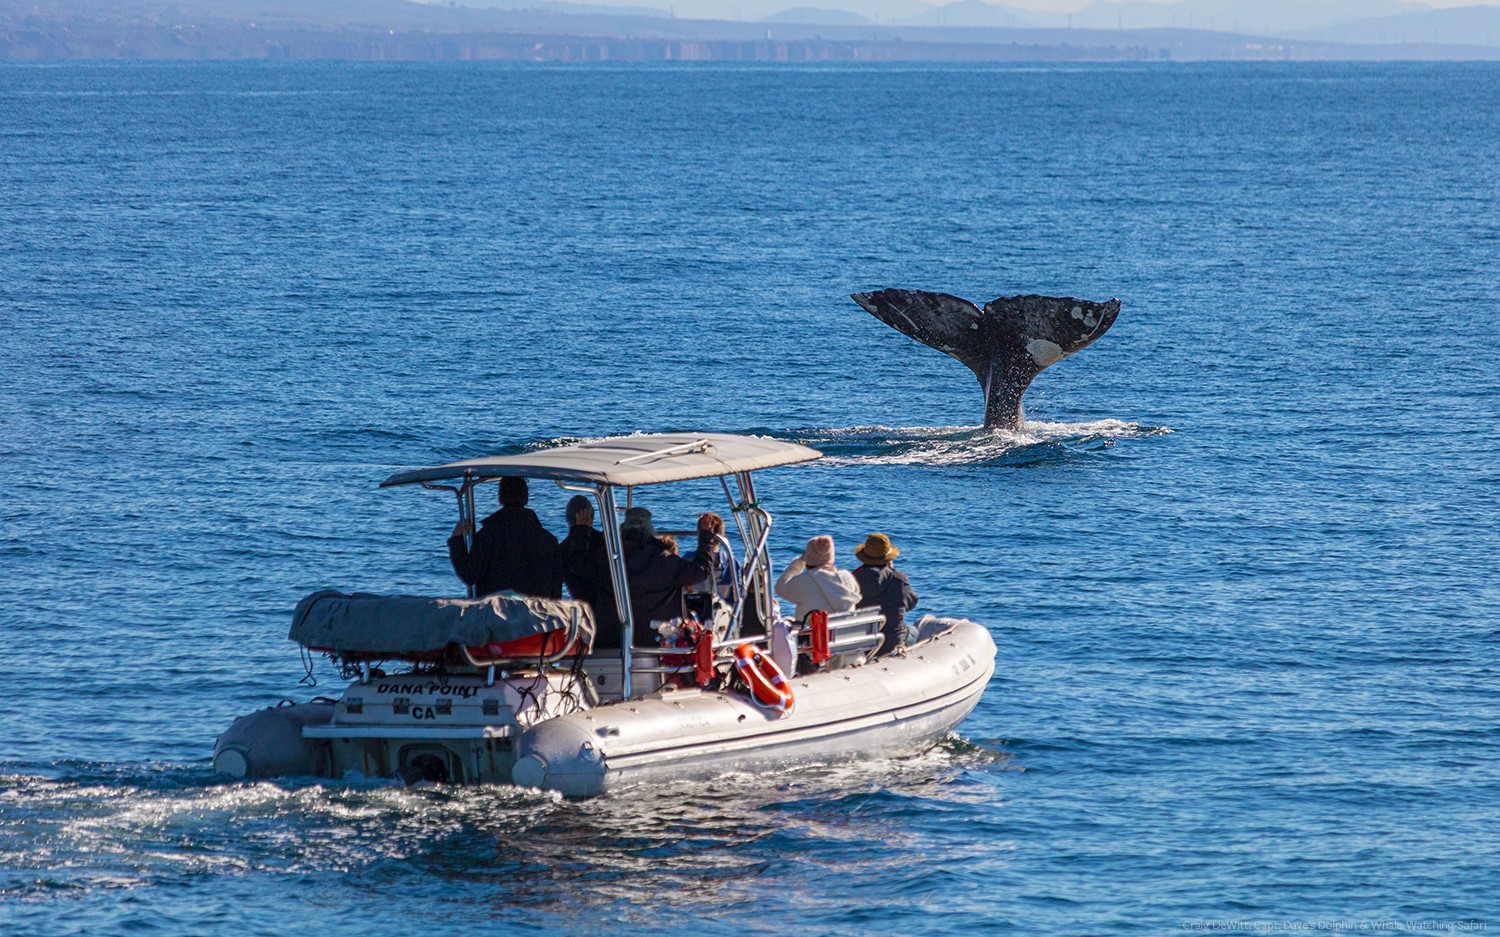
[819,623]
[703,658]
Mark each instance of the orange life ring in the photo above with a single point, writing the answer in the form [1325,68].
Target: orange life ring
[768,685]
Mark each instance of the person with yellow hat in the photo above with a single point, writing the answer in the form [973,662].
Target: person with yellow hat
[880,584]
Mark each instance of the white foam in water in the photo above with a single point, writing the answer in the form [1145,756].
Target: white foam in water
[102,837]
[962,445]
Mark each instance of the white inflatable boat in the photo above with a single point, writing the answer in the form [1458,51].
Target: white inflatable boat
[508,689]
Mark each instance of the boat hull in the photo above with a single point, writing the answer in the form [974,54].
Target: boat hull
[270,743]
[896,706]
[464,729]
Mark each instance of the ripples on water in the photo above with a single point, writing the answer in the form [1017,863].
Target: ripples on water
[1239,563]
[738,847]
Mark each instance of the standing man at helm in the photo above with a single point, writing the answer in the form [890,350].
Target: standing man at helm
[656,576]
[881,585]
[584,562]
[512,550]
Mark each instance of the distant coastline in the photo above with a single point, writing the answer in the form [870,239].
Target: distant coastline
[399,31]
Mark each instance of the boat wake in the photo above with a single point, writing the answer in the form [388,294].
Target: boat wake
[967,445]
[101,828]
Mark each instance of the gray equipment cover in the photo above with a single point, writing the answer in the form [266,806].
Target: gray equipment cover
[377,624]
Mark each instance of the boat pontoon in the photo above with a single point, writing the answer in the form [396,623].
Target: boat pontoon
[508,689]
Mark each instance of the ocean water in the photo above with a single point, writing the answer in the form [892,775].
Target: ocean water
[1240,563]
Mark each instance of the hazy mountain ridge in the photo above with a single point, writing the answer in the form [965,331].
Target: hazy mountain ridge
[305,13]
[1355,21]
[818,16]
[397,29]
[1232,15]
[1360,20]
[1479,25]
[979,13]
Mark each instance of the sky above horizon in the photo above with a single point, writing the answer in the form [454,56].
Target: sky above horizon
[1072,6]
[1041,6]
[1248,11]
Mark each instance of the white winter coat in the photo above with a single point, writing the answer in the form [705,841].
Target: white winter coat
[822,588]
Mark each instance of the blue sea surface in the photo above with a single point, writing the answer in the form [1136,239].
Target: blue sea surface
[1241,562]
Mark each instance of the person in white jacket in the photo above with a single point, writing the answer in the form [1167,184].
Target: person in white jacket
[815,584]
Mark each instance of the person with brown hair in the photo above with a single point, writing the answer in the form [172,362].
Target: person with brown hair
[723,558]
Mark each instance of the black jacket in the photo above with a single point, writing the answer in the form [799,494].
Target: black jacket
[512,550]
[883,586]
[584,560]
[656,581]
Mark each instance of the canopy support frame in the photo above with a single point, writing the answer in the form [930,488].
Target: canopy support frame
[759,523]
[465,494]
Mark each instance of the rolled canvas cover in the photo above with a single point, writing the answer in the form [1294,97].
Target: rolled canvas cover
[375,624]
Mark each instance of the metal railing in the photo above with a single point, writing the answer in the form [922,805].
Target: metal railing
[840,641]
[465,495]
[567,648]
[758,557]
[697,445]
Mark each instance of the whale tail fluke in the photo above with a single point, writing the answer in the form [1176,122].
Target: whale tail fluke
[1005,344]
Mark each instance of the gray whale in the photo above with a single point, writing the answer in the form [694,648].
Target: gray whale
[1005,344]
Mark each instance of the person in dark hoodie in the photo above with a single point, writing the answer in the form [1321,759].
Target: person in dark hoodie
[656,576]
[584,560]
[512,550]
[881,585]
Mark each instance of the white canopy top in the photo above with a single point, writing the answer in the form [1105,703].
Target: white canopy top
[627,461]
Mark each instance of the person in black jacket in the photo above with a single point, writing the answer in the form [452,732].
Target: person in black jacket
[656,577]
[584,560]
[881,585]
[511,551]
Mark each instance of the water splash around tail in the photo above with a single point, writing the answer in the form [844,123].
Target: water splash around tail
[967,445]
